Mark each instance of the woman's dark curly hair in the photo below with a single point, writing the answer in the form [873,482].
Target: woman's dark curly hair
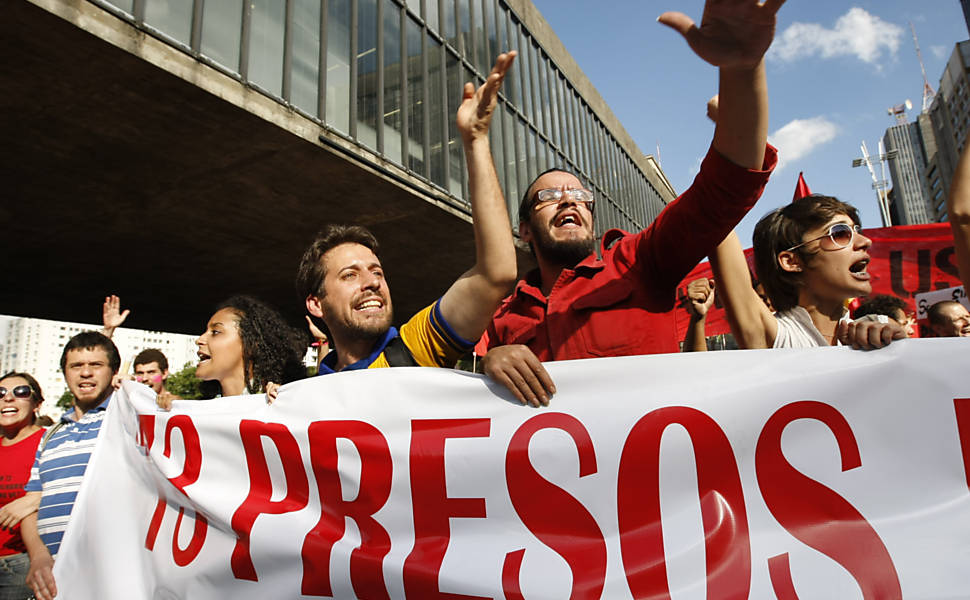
[272,350]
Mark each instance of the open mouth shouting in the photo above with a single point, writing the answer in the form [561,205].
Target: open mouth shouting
[568,219]
[86,387]
[858,269]
[203,357]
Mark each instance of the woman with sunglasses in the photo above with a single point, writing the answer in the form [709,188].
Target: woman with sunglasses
[247,345]
[20,397]
[811,257]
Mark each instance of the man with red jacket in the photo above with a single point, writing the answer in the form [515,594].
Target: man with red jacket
[580,305]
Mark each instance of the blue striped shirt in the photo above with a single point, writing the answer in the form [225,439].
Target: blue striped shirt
[58,471]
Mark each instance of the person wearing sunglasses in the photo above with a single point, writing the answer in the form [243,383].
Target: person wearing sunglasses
[581,305]
[811,257]
[20,397]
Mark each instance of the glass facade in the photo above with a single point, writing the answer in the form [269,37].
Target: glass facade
[388,76]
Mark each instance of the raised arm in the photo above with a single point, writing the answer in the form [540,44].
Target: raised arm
[700,297]
[111,315]
[469,303]
[752,323]
[958,209]
[734,36]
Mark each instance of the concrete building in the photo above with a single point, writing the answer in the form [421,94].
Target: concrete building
[946,131]
[907,201]
[34,346]
[177,151]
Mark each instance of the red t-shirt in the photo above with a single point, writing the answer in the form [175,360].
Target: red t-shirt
[15,463]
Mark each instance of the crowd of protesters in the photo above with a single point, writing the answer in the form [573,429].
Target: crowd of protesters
[586,298]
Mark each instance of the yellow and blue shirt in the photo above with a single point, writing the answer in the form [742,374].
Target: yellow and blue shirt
[430,339]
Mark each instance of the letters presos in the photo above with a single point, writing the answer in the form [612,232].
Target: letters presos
[812,513]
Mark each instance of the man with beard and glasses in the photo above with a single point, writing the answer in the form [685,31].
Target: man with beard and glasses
[341,278]
[580,305]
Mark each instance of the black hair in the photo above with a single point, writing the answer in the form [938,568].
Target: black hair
[89,340]
[151,355]
[272,349]
[880,304]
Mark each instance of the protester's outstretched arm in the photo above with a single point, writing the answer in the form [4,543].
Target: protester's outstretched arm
[700,298]
[734,36]
[111,315]
[469,303]
[40,577]
[958,210]
[752,323]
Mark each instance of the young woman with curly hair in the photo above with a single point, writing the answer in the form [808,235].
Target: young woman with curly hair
[247,345]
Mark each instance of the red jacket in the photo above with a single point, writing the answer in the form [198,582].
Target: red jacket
[619,304]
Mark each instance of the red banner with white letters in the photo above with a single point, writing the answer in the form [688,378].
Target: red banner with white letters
[823,473]
[906,261]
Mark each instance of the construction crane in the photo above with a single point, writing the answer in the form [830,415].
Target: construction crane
[880,185]
[928,93]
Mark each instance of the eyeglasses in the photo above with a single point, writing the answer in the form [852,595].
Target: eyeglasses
[21,391]
[550,196]
[840,234]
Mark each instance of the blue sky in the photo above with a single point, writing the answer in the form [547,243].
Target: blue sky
[834,69]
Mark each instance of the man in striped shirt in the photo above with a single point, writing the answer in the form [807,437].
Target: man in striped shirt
[89,362]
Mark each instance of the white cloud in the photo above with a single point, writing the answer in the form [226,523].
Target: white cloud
[938,51]
[696,167]
[856,33]
[800,137]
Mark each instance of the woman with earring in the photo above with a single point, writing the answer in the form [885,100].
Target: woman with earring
[20,397]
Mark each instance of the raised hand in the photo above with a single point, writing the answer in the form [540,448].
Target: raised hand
[111,314]
[733,34]
[700,296]
[318,335]
[477,106]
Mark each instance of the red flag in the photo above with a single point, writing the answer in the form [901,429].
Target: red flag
[801,188]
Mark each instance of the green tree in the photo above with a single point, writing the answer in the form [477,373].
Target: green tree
[184,383]
[66,401]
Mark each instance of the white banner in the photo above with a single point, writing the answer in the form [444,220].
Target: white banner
[829,473]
